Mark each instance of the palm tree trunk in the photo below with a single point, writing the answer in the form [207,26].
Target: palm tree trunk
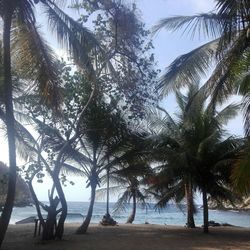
[190,205]
[10,121]
[132,215]
[205,211]
[84,227]
[107,208]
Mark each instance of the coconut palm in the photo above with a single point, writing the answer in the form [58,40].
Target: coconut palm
[195,152]
[36,62]
[214,156]
[227,54]
[127,174]
[130,180]
[102,133]
[215,167]
[174,180]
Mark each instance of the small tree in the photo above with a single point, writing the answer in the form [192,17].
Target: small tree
[130,180]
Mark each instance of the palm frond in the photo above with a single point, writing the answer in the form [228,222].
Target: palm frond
[227,113]
[102,192]
[241,172]
[122,202]
[243,82]
[35,61]
[188,68]
[171,193]
[71,170]
[26,143]
[208,24]
[222,82]
[160,121]
[246,110]
[78,40]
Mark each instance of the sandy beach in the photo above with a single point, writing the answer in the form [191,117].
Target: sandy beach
[131,237]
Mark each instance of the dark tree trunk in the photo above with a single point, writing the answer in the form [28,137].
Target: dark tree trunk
[107,207]
[132,215]
[84,227]
[50,225]
[55,176]
[190,205]
[10,121]
[36,201]
[64,209]
[49,230]
[205,211]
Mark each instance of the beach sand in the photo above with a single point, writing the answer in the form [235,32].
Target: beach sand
[131,237]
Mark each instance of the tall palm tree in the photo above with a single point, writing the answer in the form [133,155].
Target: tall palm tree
[214,157]
[19,21]
[227,54]
[174,179]
[102,132]
[196,154]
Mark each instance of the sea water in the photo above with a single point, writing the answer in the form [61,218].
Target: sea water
[171,215]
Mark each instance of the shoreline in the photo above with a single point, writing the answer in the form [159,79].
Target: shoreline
[129,237]
[170,216]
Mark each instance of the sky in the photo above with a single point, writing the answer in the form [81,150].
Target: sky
[168,46]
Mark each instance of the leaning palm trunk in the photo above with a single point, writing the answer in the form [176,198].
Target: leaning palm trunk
[132,215]
[190,205]
[205,211]
[84,227]
[7,210]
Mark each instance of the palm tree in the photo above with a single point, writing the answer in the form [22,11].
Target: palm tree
[214,176]
[37,64]
[100,127]
[107,219]
[127,176]
[214,157]
[102,132]
[174,179]
[195,153]
[130,179]
[227,54]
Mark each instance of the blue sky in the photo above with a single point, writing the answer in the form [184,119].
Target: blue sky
[167,47]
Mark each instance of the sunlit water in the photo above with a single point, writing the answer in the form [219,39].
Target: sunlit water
[169,216]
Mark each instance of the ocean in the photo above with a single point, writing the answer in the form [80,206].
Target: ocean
[171,215]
